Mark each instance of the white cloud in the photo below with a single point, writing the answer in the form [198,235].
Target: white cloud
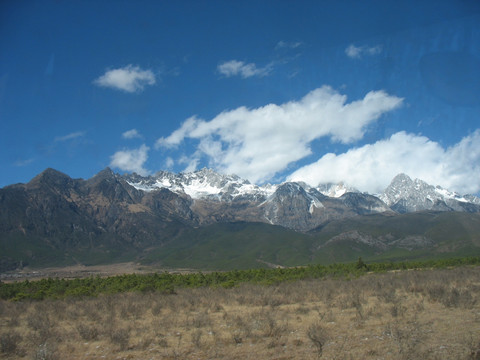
[374,50]
[353,51]
[258,143]
[169,162]
[178,135]
[130,79]
[73,135]
[131,134]
[289,45]
[21,163]
[235,67]
[356,52]
[371,167]
[131,160]
[192,165]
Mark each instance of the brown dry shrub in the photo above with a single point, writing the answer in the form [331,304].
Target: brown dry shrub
[318,335]
[87,332]
[46,351]
[120,337]
[10,343]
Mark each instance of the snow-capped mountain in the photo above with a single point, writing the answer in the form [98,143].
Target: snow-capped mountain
[472,199]
[112,201]
[295,205]
[113,212]
[407,195]
[336,190]
[202,184]
[402,195]
[208,184]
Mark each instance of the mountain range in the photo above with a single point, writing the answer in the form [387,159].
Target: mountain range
[204,219]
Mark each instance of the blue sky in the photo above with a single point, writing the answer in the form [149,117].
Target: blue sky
[318,91]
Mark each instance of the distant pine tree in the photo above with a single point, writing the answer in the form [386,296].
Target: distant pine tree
[361,265]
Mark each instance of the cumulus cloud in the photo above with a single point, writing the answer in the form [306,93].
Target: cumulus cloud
[178,135]
[356,52]
[71,136]
[235,67]
[131,160]
[129,78]
[131,134]
[258,143]
[371,167]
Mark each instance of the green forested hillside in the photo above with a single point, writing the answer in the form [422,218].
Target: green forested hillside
[374,237]
[229,246]
[226,246]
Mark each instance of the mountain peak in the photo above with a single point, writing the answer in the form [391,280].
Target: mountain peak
[107,172]
[335,190]
[49,172]
[407,195]
[402,195]
[205,171]
[105,175]
[49,176]
[401,178]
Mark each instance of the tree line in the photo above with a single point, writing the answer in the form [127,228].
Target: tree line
[167,282]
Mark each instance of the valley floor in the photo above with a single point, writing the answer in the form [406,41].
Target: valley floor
[73,272]
[418,314]
[82,271]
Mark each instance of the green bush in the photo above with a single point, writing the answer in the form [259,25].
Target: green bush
[166,283]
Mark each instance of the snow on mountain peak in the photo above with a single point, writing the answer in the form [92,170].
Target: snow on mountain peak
[335,190]
[406,195]
[204,183]
[207,183]
[402,195]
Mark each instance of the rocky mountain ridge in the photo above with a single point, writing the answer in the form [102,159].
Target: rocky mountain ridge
[55,216]
[402,195]
[405,195]
[205,196]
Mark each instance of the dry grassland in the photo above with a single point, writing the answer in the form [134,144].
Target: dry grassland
[429,314]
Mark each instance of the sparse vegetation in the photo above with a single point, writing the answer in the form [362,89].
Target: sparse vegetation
[9,343]
[319,336]
[415,314]
[167,283]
